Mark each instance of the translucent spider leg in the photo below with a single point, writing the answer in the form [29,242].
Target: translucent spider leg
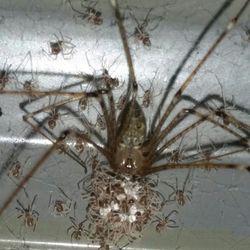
[132,79]
[37,94]
[189,79]
[201,164]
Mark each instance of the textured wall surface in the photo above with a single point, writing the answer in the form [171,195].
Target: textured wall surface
[217,217]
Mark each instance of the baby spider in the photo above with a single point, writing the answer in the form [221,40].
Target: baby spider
[177,155]
[77,230]
[31,83]
[16,169]
[110,81]
[222,111]
[140,32]
[29,215]
[60,206]
[62,45]
[162,224]
[180,195]
[247,32]
[93,16]
[100,121]
[148,94]
[53,118]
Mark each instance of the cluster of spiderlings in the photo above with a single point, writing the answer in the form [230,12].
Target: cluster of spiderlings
[120,207]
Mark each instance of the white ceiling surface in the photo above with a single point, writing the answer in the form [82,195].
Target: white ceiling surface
[218,215]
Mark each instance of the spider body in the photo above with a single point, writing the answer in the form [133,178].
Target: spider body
[61,206]
[142,35]
[60,45]
[29,215]
[77,230]
[140,32]
[162,224]
[180,196]
[53,118]
[4,76]
[93,16]
[130,156]
[56,47]
[16,170]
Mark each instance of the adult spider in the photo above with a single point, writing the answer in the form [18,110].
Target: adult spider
[119,128]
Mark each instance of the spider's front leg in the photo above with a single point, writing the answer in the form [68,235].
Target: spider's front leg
[59,143]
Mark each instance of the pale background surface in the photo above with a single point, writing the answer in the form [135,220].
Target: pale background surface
[218,216]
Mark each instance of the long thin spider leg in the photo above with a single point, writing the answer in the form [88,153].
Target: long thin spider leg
[132,79]
[186,180]
[33,202]
[107,115]
[145,21]
[203,118]
[216,157]
[210,119]
[188,80]
[183,114]
[83,15]
[223,115]
[174,122]
[202,165]
[172,80]
[70,153]
[40,162]
[178,136]
[101,101]
[21,205]
[135,19]
[31,115]
[37,93]
[232,120]
[63,102]
[172,212]
[111,142]
[33,170]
